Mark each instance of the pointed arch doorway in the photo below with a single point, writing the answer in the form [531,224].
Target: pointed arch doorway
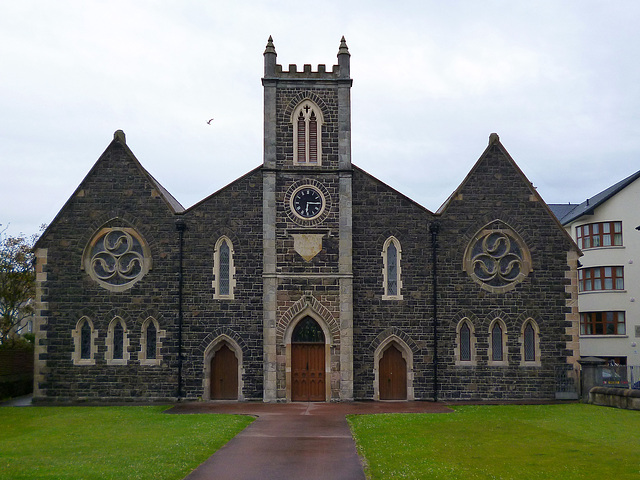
[224,374]
[393,374]
[308,382]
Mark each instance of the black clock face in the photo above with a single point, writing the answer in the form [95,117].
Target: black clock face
[307,202]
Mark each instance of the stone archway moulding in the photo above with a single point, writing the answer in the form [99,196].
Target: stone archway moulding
[209,352]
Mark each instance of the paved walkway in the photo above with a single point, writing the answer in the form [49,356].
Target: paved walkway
[293,440]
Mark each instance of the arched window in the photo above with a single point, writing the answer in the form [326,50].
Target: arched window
[151,337]
[391,255]
[530,344]
[223,269]
[466,343]
[498,343]
[84,336]
[150,342]
[117,342]
[85,341]
[307,134]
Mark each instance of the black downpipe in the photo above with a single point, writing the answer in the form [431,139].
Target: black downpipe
[434,229]
[180,227]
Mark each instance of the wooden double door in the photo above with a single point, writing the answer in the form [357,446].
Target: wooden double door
[308,372]
[224,375]
[392,375]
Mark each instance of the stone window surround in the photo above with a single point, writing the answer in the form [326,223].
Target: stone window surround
[384,255]
[407,354]
[505,353]
[536,340]
[147,262]
[216,270]
[160,334]
[210,352]
[474,361]
[498,226]
[77,343]
[110,343]
[319,123]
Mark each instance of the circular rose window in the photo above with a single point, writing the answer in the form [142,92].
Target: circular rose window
[497,259]
[117,258]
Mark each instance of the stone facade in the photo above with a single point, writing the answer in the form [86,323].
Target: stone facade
[312,279]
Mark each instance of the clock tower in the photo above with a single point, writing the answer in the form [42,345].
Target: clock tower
[307,231]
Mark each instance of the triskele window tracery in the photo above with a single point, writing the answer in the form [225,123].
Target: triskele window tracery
[117,258]
[497,259]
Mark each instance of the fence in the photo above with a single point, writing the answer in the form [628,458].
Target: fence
[618,376]
[567,381]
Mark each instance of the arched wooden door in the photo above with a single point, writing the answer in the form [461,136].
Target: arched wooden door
[224,374]
[307,362]
[393,375]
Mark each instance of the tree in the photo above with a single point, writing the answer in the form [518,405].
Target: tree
[17,283]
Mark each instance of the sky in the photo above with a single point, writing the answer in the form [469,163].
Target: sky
[559,81]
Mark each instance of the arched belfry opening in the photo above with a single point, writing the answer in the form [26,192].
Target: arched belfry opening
[308,352]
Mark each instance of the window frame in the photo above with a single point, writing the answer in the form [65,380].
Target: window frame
[589,276]
[306,109]
[160,334]
[76,334]
[504,359]
[472,360]
[217,271]
[586,238]
[111,342]
[537,354]
[385,269]
[593,322]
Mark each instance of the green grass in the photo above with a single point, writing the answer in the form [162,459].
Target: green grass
[108,442]
[555,442]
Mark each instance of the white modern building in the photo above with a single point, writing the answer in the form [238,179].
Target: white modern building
[606,228]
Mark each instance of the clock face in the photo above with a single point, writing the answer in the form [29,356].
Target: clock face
[307,202]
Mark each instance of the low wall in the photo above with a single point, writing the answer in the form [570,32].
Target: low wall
[615,397]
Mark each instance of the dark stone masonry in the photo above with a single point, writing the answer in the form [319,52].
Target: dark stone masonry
[307,279]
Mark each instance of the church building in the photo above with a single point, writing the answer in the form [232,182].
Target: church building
[306,279]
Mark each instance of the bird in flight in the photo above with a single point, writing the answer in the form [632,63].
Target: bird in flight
[209,122]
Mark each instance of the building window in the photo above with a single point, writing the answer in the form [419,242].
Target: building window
[307,134]
[498,343]
[530,344]
[117,342]
[601,278]
[151,338]
[84,336]
[465,344]
[391,254]
[603,234]
[602,323]
[223,269]
[85,341]
[150,342]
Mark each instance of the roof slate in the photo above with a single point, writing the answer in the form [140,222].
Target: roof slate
[568,215]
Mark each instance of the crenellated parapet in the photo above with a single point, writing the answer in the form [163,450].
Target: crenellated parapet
[337,72]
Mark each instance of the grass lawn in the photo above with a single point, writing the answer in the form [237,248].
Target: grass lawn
[108,442]
[555,442]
